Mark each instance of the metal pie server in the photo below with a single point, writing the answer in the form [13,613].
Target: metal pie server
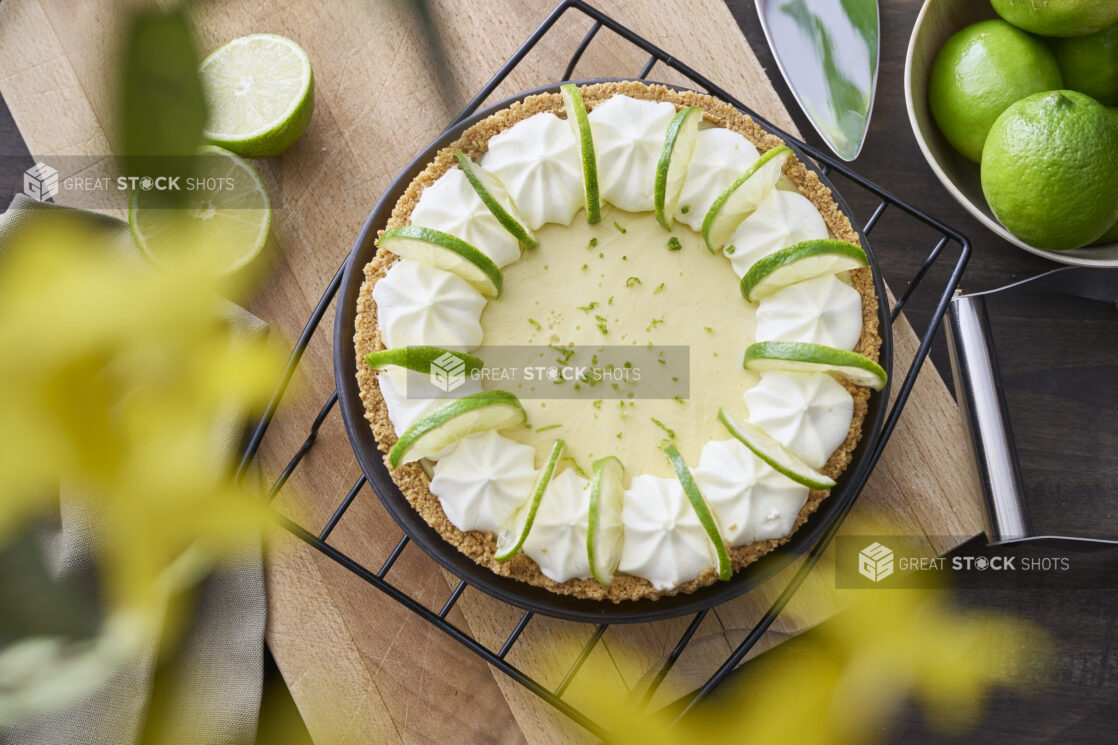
[827,51]
[974,366]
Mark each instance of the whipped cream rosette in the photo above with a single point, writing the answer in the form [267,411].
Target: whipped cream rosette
[782,219]
[721,155]
[824,310]
[537,161]
[484,480]
[809,413]
[418,304]
[453,206]
[750,500]
[628,139]
[664,541]
[557,541]
[410,395]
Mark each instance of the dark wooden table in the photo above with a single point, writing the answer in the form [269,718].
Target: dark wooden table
[1059,361]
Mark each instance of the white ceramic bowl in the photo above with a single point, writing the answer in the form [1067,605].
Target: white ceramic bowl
[937,21]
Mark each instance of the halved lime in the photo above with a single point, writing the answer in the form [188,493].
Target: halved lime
[767,448]
[260,91]
[576,115]
[511,538]
[742,197]
[671,171]
[605,533]
[447,252]
[797,263]
[457,419]
[224,222]
[797,356]
[493,193]
[419,358]
[706,518]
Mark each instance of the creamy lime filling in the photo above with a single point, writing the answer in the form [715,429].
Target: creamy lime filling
[593,285]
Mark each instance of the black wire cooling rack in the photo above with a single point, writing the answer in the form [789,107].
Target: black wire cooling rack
[498,658]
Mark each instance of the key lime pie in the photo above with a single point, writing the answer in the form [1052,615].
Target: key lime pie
[662,231]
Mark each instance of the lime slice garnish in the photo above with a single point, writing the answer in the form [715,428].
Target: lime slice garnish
[671,171]
[605,533]
[576,115]
[260,92]
[418,358]
[513,535]
[464,416]
[797,263]
[447,252]
[797,356]
[493,193]
[225,224]
[742,197]
[706,518]
[768,448]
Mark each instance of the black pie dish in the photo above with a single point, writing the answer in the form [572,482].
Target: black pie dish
[522,594]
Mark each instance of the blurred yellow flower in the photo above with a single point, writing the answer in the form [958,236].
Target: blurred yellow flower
[123,386]
[841,683]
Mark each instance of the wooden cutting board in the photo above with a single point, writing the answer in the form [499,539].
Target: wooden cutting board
[361,667]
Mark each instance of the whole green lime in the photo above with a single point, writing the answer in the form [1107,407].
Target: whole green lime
[1058,17]
[1090,64]
[1050,170]
[979,72]
[1110,236]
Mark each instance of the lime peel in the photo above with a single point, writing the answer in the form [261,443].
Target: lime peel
[771,451]
[580,124]
[723,566]
[798,263]
[671,170]
[418,358]
[503,209]
[459,418]
[605,533]
[447,252]
[511,539]
[796,356]
[736,203]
